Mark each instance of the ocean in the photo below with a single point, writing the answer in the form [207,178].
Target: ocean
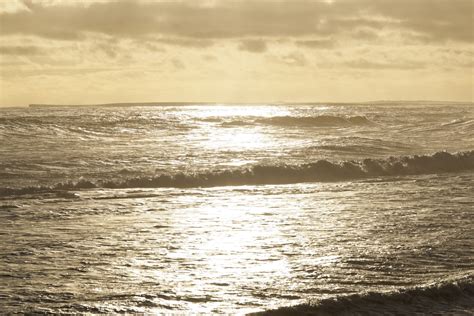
[233,208]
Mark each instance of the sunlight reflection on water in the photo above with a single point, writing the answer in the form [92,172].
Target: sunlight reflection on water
[219,247]
[237,249]
[240,139]
[235,110]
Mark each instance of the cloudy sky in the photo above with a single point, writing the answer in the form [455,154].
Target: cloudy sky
[79,52]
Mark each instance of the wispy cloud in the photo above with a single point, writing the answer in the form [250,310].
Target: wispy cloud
[400,65]
[254,46]
[20,50]
[317,44]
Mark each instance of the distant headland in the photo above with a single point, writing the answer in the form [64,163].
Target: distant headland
[131,104]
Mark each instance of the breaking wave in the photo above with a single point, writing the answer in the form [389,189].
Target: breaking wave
[321,170]
[453,297]
[322,120]
[317,121]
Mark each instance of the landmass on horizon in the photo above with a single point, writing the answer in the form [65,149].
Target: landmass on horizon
[375,102]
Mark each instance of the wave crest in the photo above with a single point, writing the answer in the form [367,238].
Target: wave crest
[321,170]
[322,120]
[455,296]
[314,121]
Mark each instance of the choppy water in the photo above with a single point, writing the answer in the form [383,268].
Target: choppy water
[234,208]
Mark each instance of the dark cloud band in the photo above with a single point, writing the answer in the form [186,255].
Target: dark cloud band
[431,20]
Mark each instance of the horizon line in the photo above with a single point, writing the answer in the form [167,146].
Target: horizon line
[181,103]
[170,103]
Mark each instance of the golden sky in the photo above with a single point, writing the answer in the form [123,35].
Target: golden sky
[79,52]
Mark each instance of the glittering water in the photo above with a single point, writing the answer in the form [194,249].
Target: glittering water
[230,209]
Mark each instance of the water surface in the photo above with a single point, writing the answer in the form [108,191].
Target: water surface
[232,208]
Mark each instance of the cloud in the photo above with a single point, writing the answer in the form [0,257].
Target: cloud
[436,20]
[187,42]
[316,44]
[253,46]
[208,57]
[365,35]
[56,72]
[375,65]
[110,51]
[433,20]
[177,63]
[20,50]
[295,59]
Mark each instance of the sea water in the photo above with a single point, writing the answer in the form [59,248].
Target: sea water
[232,208]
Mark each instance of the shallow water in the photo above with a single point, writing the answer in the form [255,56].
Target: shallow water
[84,229]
